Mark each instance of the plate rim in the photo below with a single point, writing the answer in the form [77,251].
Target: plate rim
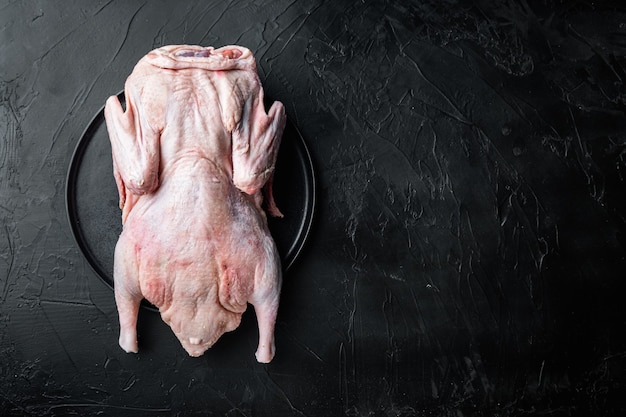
[298,245]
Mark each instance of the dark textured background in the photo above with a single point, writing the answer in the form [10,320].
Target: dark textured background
[467,254]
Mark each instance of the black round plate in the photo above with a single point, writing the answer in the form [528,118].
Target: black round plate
[95,217]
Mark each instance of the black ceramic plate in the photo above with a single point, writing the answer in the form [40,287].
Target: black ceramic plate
[95,217]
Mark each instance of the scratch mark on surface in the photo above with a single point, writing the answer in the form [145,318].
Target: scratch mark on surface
[10,260]
[102,7]
[307,15]
[109,407]
[459,116]
[295,32]
[282,394]
[65,302]
[60,341]
[57,132]
[305,347]
[125,38]
[216,21]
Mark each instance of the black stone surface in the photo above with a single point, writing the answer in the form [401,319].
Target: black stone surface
[467,253]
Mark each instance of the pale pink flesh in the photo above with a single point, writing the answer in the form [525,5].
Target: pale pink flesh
[191,154]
